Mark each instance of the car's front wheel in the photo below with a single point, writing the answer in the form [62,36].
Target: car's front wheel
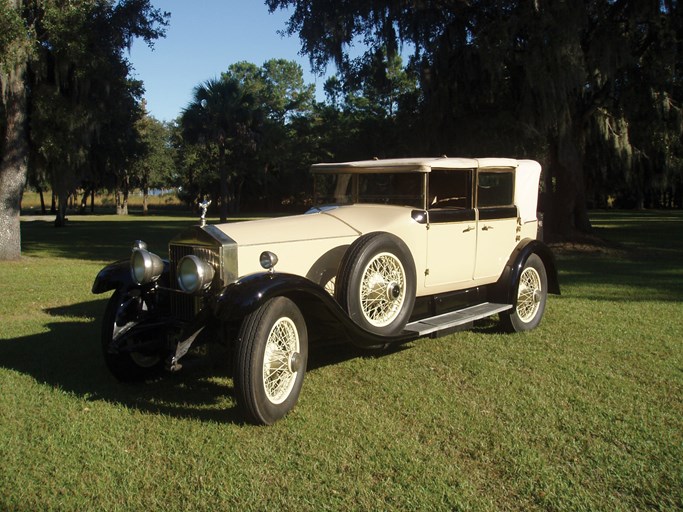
[130,366]
[270,363]
[532,292]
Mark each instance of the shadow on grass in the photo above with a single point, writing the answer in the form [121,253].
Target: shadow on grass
[98,240]
[68,357]
[642,251]
[602,277]
[103,238]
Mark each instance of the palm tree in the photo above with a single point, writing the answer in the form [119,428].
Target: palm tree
[224,114]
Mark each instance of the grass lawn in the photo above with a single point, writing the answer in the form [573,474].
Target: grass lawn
[584,413]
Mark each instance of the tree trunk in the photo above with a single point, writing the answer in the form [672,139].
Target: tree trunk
[122,198]
[62,202]
[145,200]
[13,166]
[122,202]
[224,183]
[237,196]
[43,210]
[61,188]
[567,214]
[84,201]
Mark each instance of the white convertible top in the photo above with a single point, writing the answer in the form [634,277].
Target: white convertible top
[527,173]
[397,165]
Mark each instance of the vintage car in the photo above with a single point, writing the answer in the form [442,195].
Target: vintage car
[392,250]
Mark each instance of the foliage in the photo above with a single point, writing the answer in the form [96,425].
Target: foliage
[591,89]
[286,103]
[14,45]
[252,117]
[154,166]
[584,413]
[85,105]
[64,69]
[225,115]
[546,79]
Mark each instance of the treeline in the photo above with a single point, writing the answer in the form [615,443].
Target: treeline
[248,138]
[591,89]
[69,106]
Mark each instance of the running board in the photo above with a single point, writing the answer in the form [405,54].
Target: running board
[455,318]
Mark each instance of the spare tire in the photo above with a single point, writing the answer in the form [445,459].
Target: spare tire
[376,283]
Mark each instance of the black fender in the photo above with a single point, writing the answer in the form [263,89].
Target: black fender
[247,294]
[505,290]
[117,275]
[113,276]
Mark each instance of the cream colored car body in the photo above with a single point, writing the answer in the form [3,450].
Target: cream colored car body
[448,255]
[407,243]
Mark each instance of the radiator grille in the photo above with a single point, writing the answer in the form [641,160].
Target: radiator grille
[184,306]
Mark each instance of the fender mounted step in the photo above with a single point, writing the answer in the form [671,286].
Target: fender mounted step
[455,318]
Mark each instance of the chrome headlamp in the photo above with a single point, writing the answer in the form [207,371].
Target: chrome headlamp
[145,266]
[268,260]
[194,274]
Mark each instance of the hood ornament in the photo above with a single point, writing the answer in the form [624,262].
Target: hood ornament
[204,205]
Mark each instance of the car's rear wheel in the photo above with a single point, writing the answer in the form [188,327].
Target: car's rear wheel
[130,366]
[272,351]
[376,283]
[532,292]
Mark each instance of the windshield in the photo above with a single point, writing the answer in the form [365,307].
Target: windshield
[401,189]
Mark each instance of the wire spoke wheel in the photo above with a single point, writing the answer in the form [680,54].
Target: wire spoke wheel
[529,294]
[532,293]
[382,290]
[126,365]
[376,283]
[270,362]
[282,348]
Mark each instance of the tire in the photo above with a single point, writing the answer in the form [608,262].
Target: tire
[125,366]
[376,283]
[270,362]
[532,293]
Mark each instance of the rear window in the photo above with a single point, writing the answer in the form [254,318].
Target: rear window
[450,189]
[495,188]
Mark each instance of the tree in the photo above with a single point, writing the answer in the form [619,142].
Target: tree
[68,57]
[154,166]
[247,123]
[222,114]
[15,51]
[516,76]
[282,99]
[371,112]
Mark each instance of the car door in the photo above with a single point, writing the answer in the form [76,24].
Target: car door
[497,221]
[452,233]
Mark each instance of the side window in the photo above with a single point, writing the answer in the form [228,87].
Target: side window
[495,188]
[450,189]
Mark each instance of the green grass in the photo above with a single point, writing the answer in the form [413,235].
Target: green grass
[584,413]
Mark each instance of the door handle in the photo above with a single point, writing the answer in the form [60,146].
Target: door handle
[469,228]
[486,228]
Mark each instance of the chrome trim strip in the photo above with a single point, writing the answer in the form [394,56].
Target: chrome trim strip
[227,253]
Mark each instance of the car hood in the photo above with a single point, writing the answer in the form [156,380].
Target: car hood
[286,229]
[332,222]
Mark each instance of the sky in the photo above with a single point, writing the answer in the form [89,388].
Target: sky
[202,40]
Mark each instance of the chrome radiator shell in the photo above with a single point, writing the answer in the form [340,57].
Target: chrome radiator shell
[210,244]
